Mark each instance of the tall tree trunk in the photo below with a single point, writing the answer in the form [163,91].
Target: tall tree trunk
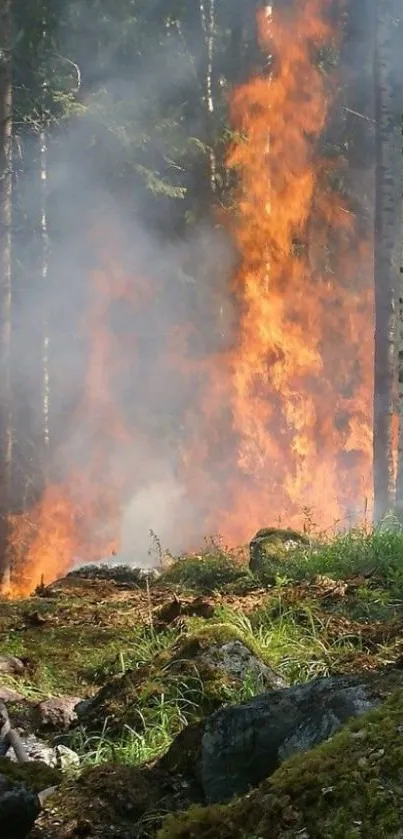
[6,186]
[207,19]
[387,252]
[45,396]
[399,481]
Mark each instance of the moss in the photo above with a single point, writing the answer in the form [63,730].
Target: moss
[88,648]
[207,573]
[35,774]
[347,788]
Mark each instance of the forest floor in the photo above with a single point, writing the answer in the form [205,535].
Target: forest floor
[134,643]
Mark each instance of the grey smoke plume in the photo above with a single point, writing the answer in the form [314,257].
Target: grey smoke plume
[82,199]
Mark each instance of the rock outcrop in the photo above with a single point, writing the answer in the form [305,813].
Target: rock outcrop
[243,744]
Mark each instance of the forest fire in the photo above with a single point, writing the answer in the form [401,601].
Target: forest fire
[302,370]
[297,382]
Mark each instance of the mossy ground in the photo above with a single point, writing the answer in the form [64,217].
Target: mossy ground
[327,607]
[35,774]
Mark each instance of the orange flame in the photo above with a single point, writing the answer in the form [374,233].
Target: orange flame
[79,518]
[283,421]
[301,374]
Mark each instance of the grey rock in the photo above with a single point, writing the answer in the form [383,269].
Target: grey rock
[235,659]
[58,713]
[246,743]
[11,665]
[83,706]
[66,758]
[19,808]
[60,756]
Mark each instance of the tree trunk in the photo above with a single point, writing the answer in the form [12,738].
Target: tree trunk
[45,395]
[399,481]
[207,19]
[6,186]
[387,254]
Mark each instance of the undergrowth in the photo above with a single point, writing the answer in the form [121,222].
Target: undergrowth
[358,551]
[76,646]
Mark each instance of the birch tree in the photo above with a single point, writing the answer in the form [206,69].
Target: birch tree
[6,185]
[388,186]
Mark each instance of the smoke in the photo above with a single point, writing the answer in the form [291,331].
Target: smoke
[116,301]
[154,517]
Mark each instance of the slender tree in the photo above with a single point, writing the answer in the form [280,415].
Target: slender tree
[388,108]
[6,185]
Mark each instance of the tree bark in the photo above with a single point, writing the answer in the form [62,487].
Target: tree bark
[45,400]
[6,187]
[387,253]
[207,19]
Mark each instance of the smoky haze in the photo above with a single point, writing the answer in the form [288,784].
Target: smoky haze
[117,287]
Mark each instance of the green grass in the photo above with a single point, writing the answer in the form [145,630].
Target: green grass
[88,655]
[290,626]
[164,719]
[298,651]
[211,572]
[347,554]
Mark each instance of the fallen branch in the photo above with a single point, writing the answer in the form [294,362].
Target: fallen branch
[9,737]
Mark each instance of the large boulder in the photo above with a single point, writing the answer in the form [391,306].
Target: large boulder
[350,786]
[243,744]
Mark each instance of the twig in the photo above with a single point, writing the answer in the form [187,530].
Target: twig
[357,114]
[9,737]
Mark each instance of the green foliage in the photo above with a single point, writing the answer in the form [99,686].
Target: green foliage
[210,572]
[325,617]
[347,554]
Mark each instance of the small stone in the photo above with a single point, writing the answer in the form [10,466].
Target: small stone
[374,756]
[66,758]
[58,713]
[360,735]
[235,659]
[11,665]
[9,695]
[36,750]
